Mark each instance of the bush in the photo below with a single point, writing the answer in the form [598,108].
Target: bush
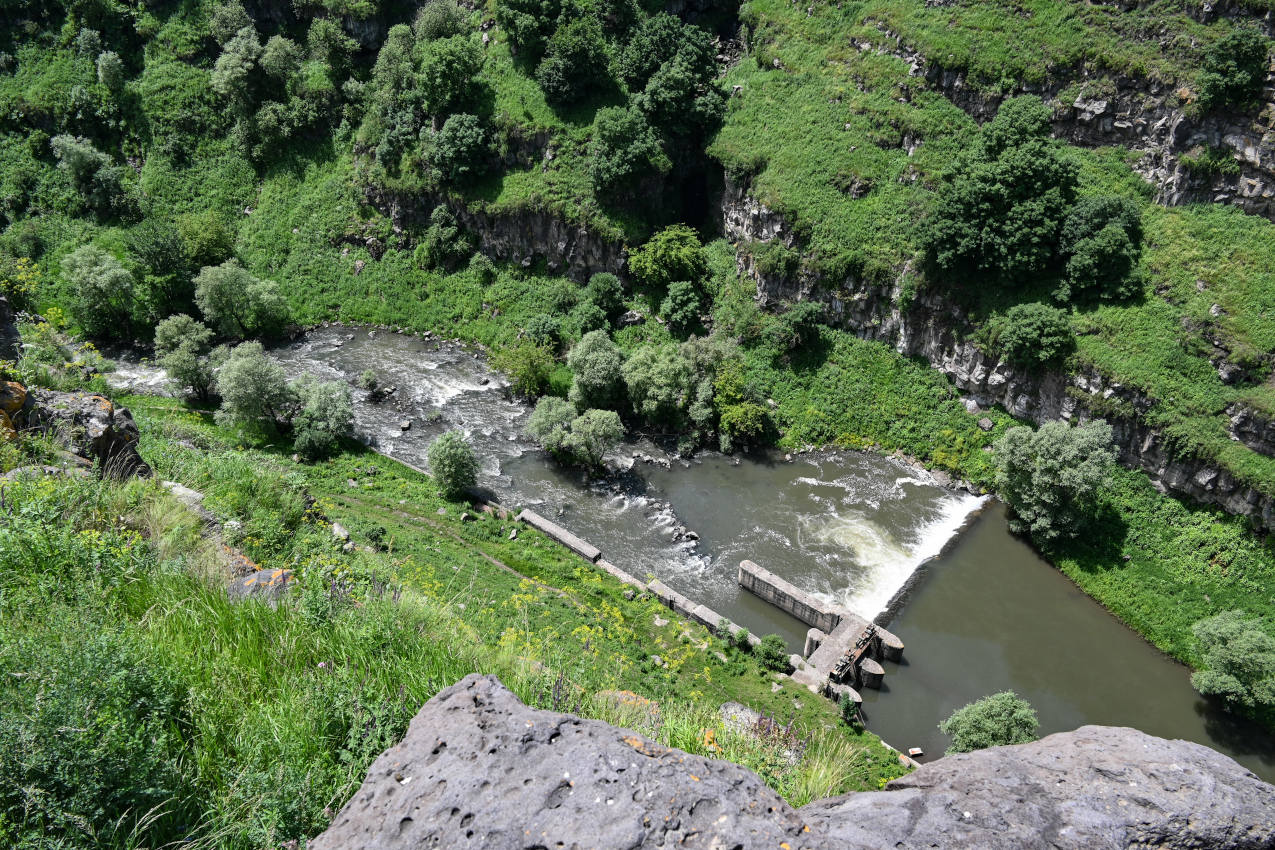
[1033,335]
[527,23]
[589,317]
[1238,661]
[544,330]
[1051,477]
[1234,69]
[797,327]
[772,652]
[595,364]
[993,721]
[660,383]
[93,174]
[527,365]
[582,439]
[238,304]
[439,19]
[671,255]
[605,291]
[460,148]
[623,149]
[1102,240]
[445,244]
[254,390]
[682,306]
[452,461]
[448,73]
[104,297]
[576,63]
[326,415]
[743,425]
[110,71]
[182,348]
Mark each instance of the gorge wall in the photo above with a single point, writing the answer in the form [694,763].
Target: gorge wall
[480,769]
[1141,115]
[933,328]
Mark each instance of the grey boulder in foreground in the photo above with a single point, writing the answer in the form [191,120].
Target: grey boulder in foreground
[480,769]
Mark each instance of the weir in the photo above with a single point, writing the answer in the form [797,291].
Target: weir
[841,647]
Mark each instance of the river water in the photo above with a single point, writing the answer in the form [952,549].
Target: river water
[977,609]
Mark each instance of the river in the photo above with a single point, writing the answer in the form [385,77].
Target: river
[978,610]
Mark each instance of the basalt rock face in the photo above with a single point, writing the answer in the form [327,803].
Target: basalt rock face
[479,769]
[933,328]
[10,339]
[1141,115]
[92,426]
[523,236]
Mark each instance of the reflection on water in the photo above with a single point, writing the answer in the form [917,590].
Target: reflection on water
[983,613]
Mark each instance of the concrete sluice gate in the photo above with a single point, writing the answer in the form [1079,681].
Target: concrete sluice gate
[842,650]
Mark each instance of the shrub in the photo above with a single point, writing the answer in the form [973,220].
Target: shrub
[445,244]
[583,439]
[94,175]
[452,461]
[544,329]
[1238,661]
[235,74]
[595,364]
[110,71]
[682,306]
[527,23]
[849,710]
[670,255]
[254,390]
[104,300]
[439,19]
[743,425]
[623,149]
[1051,477]
[227,19]
[992,721]
[772,652]
[460,148]
[281,58]
[660,383]
[237,303]
[576,63]
[589,317]
[1102,240]
[448,73]
[1234,69]
[1034,334]
[797,327]
[182,347]
[527,365]
[606,292]
[324,417]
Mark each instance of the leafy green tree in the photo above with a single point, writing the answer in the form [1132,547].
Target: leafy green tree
[452,461]
[742,425]
[324,417]
[544,329]
[448,73]
[1238,661]
[772,652]
[239,304]
[623,148]
[527,24]
[593,434]
[183,349]
[1102,240]
[104,297]
[607,293]
[439,19]
[1000,215]
[281,58]
[595,363]
[528,366]
[227,20]
[95,176]
[445,244]
[575,65]
[550,423]
[110,71]
[1051,477]
[460,147]
[587,317]
[328,45]
[156,246]
[1234,69]
[660,384]
[796,327]
[993,721]
[254,390]
[206,237]
[682,306]
[671,68]
[88,42]
[1033,334]
[235,73]
[670,255]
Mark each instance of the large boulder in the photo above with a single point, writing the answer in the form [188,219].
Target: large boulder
[91,425]
[1097,787]
[479,769]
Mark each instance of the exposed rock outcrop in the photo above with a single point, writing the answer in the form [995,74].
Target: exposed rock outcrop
[1100,110]
[480,769]
[10,339]
[91,425]
[933,328]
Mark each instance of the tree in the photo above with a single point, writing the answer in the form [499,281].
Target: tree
[660,382]
[254,390]
[527,23]
[623,148]
[772,652]
[544,329]
[595,362]
[448,73]
[439,19]
[1238,661]
[742,425]
[94,175]
[445,244]
[110,71]
[605,291]
[235,73]
[993,721]
[237,303]
[1102,240]
[671,255]
[593,434]
[671,68]
[459,148]
[103,292]
[281,58]
[227,19]
[182,349]
[550,423]
[325,415]
[575,65]
[1051,477]
[682,306]
[1033,334]
[527,365]
[1234,69]
[452,461]
[999,216]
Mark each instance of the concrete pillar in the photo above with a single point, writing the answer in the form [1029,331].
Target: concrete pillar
[870,673]
[891,646]
[814,637]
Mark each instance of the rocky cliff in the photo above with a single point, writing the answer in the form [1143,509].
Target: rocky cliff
[933,328]
[479,769]
[1179,150]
